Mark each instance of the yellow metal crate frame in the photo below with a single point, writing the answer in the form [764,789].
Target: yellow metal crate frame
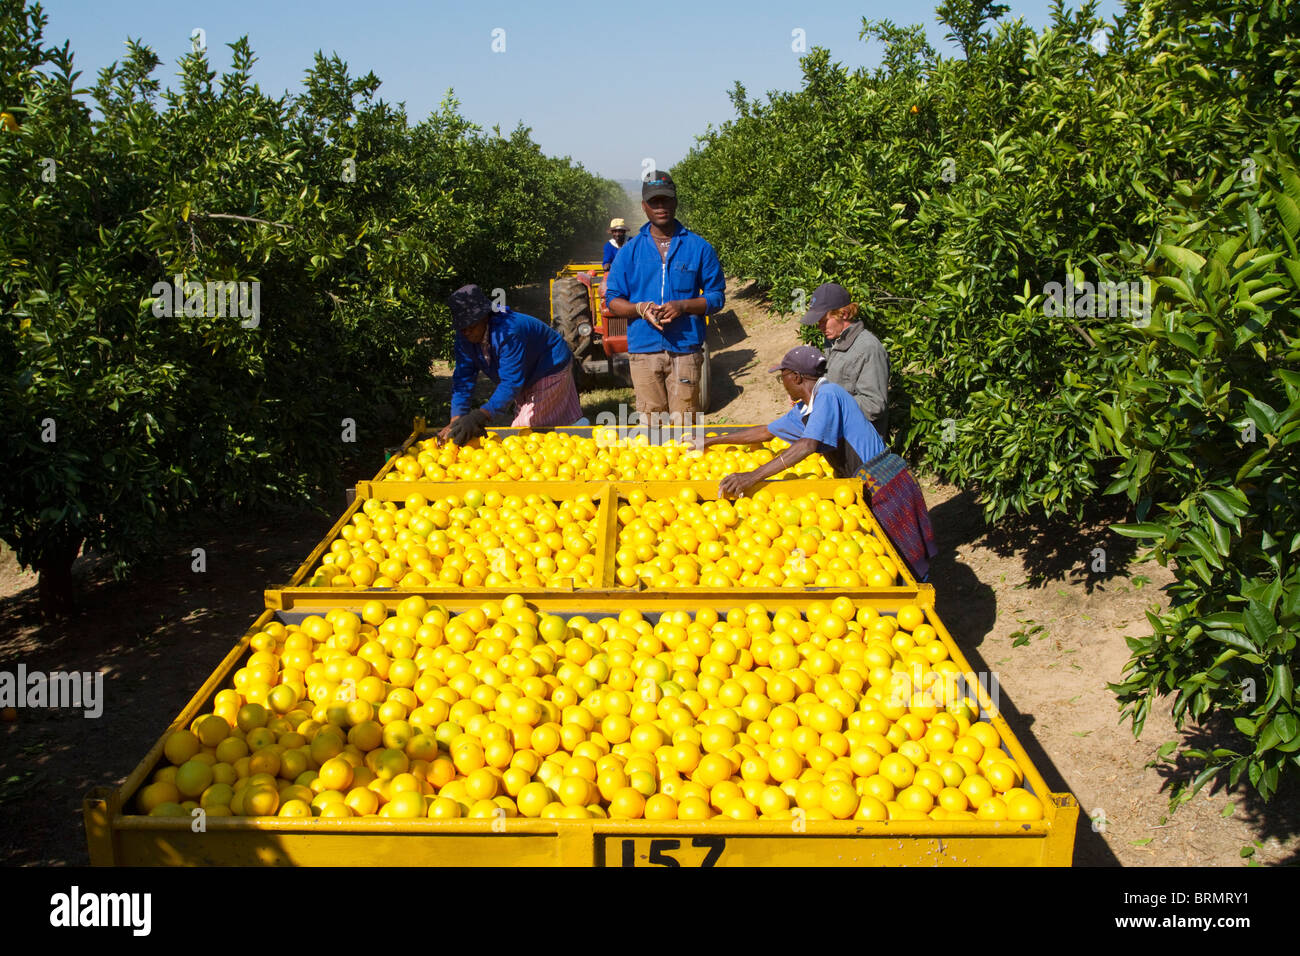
[115,837]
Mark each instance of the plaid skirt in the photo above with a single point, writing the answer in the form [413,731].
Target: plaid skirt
[897,503]
[552,400]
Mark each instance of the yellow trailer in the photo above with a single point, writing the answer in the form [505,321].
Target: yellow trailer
[118,836]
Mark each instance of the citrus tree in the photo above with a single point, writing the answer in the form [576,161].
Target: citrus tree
[213,296]
[1207,421]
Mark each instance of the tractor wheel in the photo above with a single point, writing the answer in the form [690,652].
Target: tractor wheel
[571,306]
[706,377]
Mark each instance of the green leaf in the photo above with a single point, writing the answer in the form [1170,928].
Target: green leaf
[1263,415]
[1232,639]
[1293,270]
[1259,623]
[1289,212]
[1202,544]
[1141,530]
[1183,290]
[1269,737]
[1225,619]
[1283,684]
[1184,258]
[1289,746]
[1227,507]
[1221,537]
[1288,727]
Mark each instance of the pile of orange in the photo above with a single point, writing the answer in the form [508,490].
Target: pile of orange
[770,540]
[501,711]
[561,456]
[478,539]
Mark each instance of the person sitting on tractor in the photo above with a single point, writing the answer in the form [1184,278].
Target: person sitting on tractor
[526,357]
[655,283]
[826,419]
[617,236]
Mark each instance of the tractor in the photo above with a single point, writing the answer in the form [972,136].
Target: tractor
[598,341]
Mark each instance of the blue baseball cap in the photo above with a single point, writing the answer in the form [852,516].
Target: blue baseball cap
[468,305]
[803,359]
[829,295]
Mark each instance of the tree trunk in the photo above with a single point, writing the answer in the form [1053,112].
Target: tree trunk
[54,586]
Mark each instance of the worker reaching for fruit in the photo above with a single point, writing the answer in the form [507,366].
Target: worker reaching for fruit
[527,359]
[826,419]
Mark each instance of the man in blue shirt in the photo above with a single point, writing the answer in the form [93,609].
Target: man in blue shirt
[527,359]
[827,419]
[664,281]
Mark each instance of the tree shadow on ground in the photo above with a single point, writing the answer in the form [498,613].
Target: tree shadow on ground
[748,290]
[1277,818]
[1050,549]
[724,331]
[154,637]
[726,367]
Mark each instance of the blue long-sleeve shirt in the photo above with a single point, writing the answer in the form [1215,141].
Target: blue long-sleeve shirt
[611,252]
[639,275]
[520,351]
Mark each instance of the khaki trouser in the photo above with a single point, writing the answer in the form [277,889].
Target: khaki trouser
[666,381]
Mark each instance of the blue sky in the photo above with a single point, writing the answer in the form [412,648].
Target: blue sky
[604,82]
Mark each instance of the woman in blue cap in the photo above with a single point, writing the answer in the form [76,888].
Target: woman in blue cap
[855,359]
[527,359]
[826,419]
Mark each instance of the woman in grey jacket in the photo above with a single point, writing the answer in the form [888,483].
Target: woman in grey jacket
[855,359]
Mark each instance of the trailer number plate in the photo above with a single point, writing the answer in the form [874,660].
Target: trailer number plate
[663,851]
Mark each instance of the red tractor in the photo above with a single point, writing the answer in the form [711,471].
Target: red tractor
[598,341]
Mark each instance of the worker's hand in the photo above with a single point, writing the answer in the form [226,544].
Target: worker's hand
[733,486]
[669,311]
[649,312]
[469,426]
[443,435]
